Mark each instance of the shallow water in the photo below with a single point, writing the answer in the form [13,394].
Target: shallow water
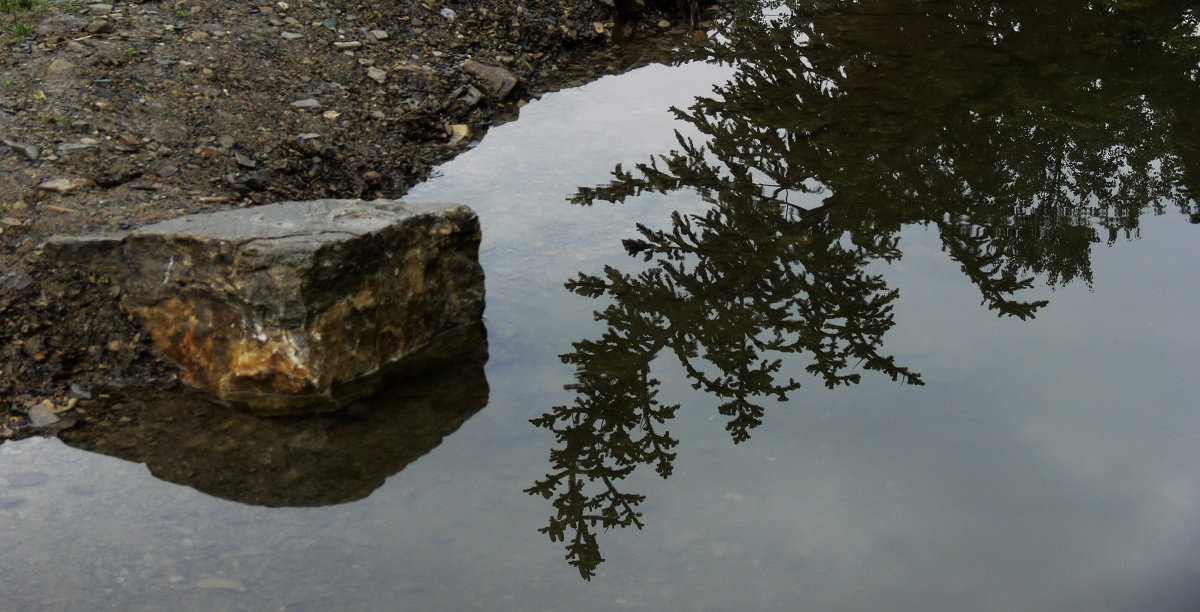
[1048,461]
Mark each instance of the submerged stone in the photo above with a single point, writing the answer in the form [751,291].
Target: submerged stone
[301,306]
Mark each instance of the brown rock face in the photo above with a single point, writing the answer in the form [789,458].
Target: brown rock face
[292,307]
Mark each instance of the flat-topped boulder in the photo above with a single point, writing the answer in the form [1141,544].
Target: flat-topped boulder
[278,308]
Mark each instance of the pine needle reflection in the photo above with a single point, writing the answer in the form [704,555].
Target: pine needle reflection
[729,289]
[1024,133]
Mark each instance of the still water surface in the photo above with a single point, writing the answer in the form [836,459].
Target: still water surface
[931,270]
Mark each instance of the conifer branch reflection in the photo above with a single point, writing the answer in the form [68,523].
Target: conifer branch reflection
[1023,133]
[729,288]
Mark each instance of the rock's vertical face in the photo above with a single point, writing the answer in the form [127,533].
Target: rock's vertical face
[276,307]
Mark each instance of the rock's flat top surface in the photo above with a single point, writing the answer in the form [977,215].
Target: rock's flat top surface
[287,219]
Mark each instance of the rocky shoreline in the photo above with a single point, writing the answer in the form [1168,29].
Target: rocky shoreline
[118,115]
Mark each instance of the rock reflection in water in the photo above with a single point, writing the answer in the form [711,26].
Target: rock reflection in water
[290,461]
[1024,133]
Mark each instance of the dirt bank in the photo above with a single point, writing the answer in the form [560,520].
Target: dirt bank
[118,115]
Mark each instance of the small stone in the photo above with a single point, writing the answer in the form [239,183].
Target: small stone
[330,23]
[211,152]
[251,181]
[130,139]
[34,345]
[375,114]
[471,95]
[99,26]
[347,44]
[377,75]
[113,346]
[379,34]
[67,147]
[292,35]
[308,135]
[500,80]
[307,103]
[100,9]
[448,13]
[168,170]
[28,150]
[244,160]
[43,415]
[64,185]
[663,23]
[459,132]
[226,141]
[59,67]
[198,36]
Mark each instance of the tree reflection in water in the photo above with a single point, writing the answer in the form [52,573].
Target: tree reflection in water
[1025,132]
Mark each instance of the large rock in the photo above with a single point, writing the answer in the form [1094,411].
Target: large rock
[304,306]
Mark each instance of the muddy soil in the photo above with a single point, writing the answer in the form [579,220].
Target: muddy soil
[113,116]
